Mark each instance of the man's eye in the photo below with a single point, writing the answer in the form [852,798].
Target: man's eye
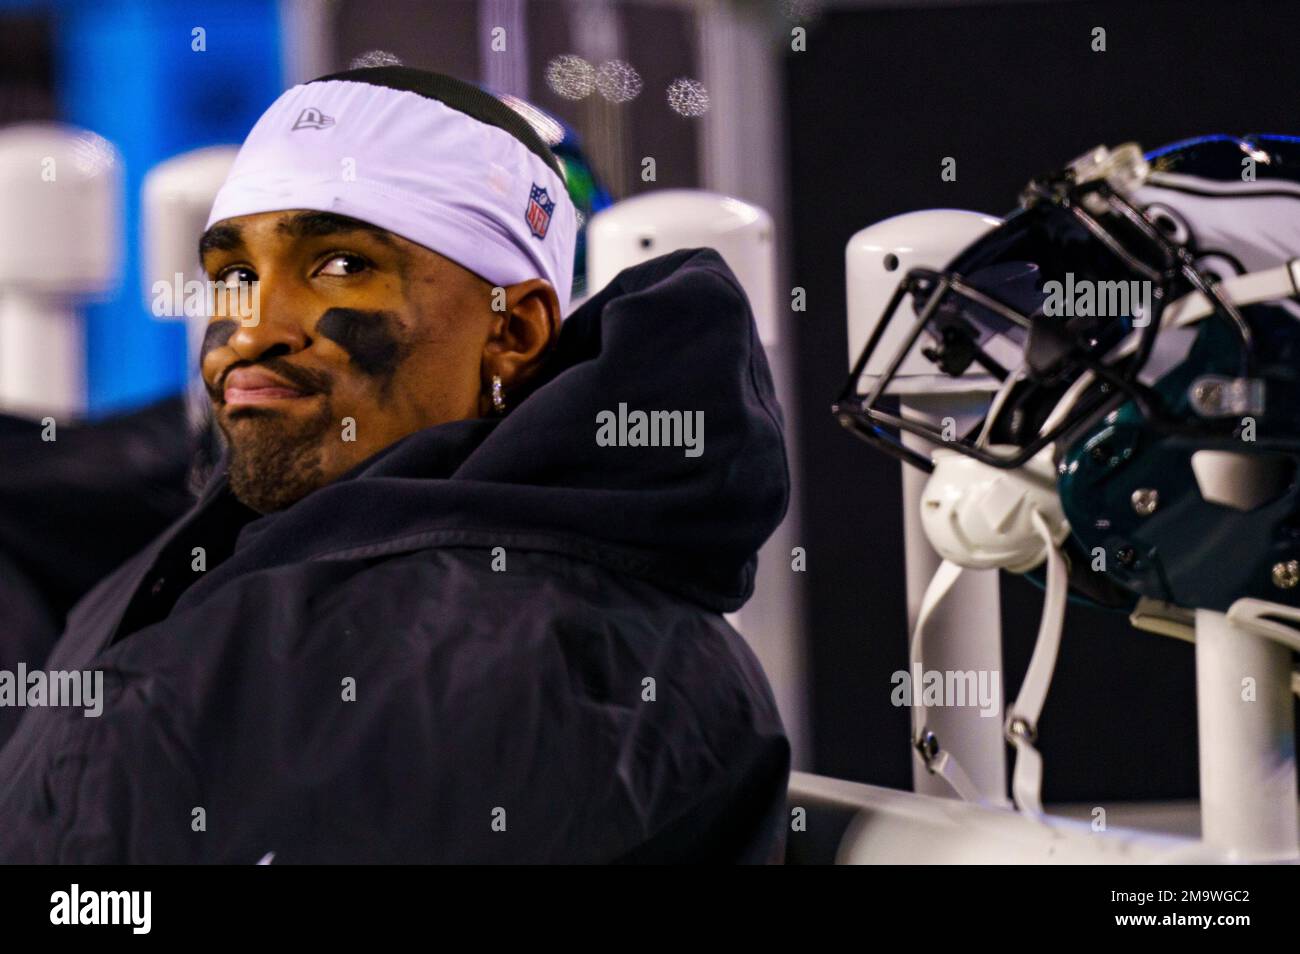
[343,263]
[236,275]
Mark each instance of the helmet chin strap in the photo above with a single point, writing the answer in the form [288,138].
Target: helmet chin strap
[924,743]
[1021,725]
[1270,284]
[1022,721]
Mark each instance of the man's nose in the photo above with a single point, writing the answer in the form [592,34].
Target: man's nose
[272,324]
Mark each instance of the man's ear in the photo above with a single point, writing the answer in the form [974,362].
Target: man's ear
[521,334]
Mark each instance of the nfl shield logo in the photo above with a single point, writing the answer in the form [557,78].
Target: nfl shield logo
[538,213]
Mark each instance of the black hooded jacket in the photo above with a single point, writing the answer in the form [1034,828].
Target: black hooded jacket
[496,640]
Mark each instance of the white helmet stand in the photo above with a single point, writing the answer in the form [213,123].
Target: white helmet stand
[1245,687]
[965,628]
[1245,714]
[60,237]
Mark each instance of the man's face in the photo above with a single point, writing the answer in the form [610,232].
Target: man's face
[361,338]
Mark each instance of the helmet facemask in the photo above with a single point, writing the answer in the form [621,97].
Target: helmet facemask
[1005,307]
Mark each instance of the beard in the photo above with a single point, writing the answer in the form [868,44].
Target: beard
[275,459]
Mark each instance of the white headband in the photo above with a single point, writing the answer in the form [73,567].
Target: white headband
[465,189]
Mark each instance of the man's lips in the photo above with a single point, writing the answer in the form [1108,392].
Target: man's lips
[257,386]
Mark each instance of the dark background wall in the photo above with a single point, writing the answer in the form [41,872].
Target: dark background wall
[1011,90]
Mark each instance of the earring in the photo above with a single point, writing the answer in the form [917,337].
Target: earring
[498,398]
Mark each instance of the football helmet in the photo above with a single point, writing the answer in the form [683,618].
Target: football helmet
[1012,293]
[1139,311]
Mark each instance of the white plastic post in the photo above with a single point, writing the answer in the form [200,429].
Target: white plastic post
[42,344]
[1245,719]
[60,241]
[965,630]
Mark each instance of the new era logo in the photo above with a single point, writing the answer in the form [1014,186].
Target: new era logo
[312,118]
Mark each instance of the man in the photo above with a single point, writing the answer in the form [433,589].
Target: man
[456,594]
